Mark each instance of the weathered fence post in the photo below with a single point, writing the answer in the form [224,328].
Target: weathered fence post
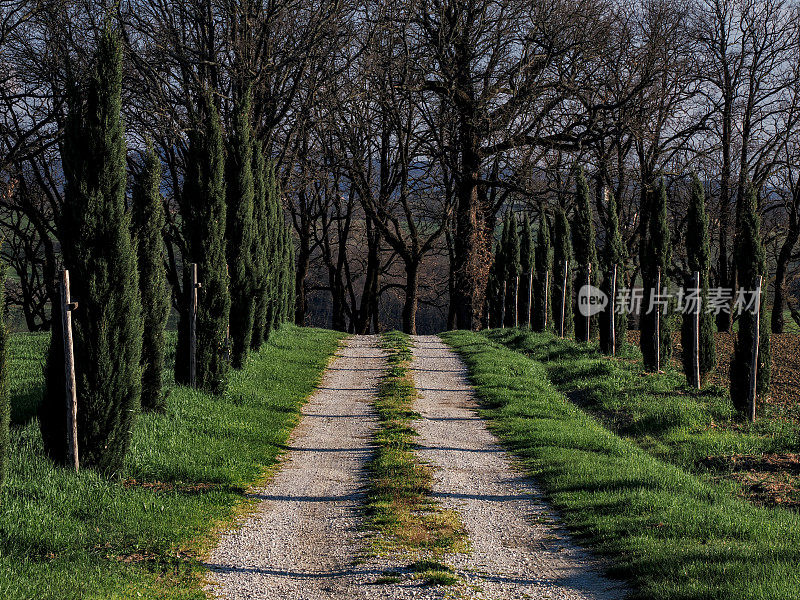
[751,400]
[612,318]
[503,305]
[530,299]
[564,296]
[67,306]
[546,298]
[696,337]
[589,291]
[658,324]
[193,327]
[516,302]
[228,326]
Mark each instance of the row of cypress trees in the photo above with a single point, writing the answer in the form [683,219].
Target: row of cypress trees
[233,228]
[235,232]
[516,255]
[5,401]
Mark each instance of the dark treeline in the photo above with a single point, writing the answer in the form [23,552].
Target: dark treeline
[401,134]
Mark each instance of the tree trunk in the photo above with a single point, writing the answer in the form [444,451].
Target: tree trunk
[724,276]
[301,275]
[367,313]
[410,306]
[451,283]
[471,264]
[779,301]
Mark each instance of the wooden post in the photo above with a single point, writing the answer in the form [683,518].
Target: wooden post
[228,326]
[564,296]
[546,298]
[751,400]
[530,299]
[696,339]
[611,315]
[193,327]
[588,313]
[503,287]
[516,302]
[69,371]
[658,324]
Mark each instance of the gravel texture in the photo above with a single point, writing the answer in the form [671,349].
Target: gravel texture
[307,539]
[517,550]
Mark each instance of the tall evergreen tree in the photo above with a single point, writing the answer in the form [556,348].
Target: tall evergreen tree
[585,249]
[204,217]
[512,264]
[562,254]
[95,235]
[260,247]
[614,254]
[288,282]
[698,254]
[148,221]
[658,256]
[751,262]
[543,281]
[5,404]
[241,230]
[494,289]
[282,257]
[527,247]
[274,228]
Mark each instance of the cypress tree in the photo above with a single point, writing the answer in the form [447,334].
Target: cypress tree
[527,249]
[751,262]
[543,282]
[585,248]
[204,218]
[698,254]
[512,265]
[493,292]
[5,404]
[259,247]
[240,231]
[658,255]
[614,255]
[562,252]
[148,220]
[281,252]
[289,277]
[274,226]
[95,235]
[501,263]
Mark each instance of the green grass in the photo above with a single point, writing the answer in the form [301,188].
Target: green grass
[399,502]
[697,431]
[671,534]
[141,535]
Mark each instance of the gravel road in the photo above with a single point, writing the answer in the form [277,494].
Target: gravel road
[306,539]
[517,550]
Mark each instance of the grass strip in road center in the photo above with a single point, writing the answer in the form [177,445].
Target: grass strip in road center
[399,501]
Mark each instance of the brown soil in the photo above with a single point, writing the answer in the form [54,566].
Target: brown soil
[769,479]
[785,390]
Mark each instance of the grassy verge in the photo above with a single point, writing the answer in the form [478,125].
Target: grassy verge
[669,532]
[697,431]
[399,502]
[141,535]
